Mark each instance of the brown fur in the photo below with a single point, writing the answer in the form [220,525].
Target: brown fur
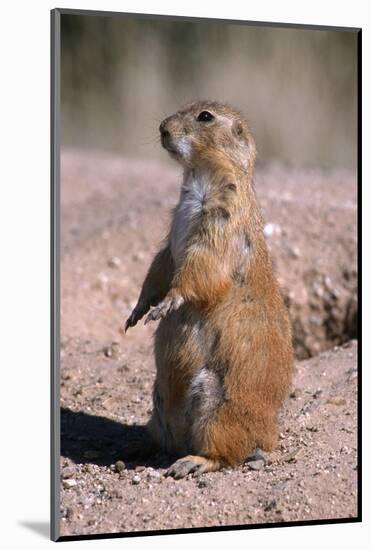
[223,346]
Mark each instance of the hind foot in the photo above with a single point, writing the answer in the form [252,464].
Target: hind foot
[192,464]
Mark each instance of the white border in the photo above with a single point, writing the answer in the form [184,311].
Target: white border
[24,231]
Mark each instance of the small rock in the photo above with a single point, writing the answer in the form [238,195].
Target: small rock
[136,480]
[312,428]
[202,483]
[336,401]
[347,344]
[102,282]
[69,483]
[120,466]
[69,513]
[295,252]
[114,262]
[272,229]
[112,351]
[257,454]
[152,474]
[328,282]
[318,290]
[271,505]
[256,464]
[116,493]
[139,256]
[67,472]
[292,457]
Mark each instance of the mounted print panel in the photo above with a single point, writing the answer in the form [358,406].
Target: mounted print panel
[205,188]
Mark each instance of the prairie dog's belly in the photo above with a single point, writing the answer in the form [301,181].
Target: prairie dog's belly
[187,390]
[193,197]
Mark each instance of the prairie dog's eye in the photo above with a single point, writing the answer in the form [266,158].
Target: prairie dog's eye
[205,116]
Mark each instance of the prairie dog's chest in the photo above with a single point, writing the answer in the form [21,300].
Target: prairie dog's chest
[193,196]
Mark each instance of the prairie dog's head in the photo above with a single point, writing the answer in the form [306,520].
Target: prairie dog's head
[205,132]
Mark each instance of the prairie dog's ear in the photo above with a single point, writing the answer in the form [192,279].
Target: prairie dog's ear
[237,129]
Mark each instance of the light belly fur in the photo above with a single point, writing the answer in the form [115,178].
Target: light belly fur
[192,199]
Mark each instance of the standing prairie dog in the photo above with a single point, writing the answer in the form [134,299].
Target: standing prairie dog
[223,346]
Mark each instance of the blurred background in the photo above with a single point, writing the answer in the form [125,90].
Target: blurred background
[121,75]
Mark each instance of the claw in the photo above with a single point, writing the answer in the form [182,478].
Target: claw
[169,304]
[181,468]
[131,322]
[140,309]
[201,468]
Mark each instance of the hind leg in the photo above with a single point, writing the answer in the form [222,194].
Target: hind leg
[227,439]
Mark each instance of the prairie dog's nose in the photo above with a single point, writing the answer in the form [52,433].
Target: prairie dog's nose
[164,127]
[167,125]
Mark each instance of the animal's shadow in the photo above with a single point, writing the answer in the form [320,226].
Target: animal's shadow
[98,440]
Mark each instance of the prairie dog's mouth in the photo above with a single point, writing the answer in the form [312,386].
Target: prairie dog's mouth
[180,147]
[170,148]
[167,143]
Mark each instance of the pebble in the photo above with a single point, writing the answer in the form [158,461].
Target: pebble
[114,261]
[136,480]
[69,483]
[336,400]
[272,229]
[116,493]
[120,466]
[257,454]
[312,428]
[292,457]
[256,464]
[103,281]
[152,474]
[295,252]
[202,484]
[67,472]
[271,505]
[112,351]
[70,513]
[139,256]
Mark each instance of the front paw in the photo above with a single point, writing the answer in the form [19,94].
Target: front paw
[168,304]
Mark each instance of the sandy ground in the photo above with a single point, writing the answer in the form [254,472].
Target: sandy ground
[114,214]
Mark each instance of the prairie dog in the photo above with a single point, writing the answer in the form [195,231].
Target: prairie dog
[223,345]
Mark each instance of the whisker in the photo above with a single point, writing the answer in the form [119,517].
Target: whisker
[151,140]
